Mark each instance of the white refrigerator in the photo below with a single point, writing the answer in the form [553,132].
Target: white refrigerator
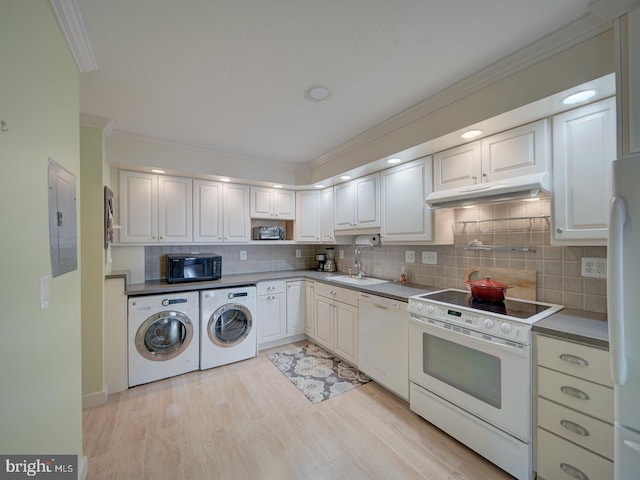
[623,305]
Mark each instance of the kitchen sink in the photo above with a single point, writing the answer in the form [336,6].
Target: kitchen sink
[357,281]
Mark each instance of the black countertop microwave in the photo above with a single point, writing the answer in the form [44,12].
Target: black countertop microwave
[193,268]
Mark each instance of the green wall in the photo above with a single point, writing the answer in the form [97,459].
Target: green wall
[40,353]
[91,212]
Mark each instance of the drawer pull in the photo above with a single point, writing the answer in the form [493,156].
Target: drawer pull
[632,445]
[567,357]
[574,392]
[573,471]
[574,427]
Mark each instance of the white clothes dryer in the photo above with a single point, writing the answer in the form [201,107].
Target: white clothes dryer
[228,326]
[163,336]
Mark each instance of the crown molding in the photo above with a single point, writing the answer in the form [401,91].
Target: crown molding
[101,123]
[72,25]
[569,36]
[611,9]
[139,139]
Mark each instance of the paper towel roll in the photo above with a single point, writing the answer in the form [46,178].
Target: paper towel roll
[368,240]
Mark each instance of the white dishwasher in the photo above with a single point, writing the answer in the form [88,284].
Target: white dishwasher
[383,338]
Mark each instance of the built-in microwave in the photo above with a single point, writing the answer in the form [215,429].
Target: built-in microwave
[193,268]
[268,233]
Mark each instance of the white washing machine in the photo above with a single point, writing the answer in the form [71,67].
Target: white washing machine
[227,326]
[163,336]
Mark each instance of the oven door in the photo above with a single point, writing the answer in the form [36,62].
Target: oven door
[480,374]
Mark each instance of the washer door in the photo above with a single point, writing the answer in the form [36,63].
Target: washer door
[229,325]
[164,336]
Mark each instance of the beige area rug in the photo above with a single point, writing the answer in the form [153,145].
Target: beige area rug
[316,373]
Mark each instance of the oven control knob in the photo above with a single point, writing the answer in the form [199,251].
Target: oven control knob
[430,309]
[505,327]
[488,323]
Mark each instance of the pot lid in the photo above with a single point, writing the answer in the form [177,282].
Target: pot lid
[488,283]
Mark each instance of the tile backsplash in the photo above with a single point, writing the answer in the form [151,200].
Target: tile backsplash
[558,268]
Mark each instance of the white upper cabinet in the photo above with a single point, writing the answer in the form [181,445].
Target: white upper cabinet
[273,203]
[357,203]
[155,209]
[308,222]
[326,216]
[520,151]
[405,216]
[584,147]
[207,211]
[237,223]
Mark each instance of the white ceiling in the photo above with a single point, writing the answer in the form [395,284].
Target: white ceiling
[231,75]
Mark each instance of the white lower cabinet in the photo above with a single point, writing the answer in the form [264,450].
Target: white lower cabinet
[336,321]
[309,309]
[271,312]
[574,435]
[295,307]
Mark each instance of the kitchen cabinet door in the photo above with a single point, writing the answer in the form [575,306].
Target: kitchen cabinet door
[324,322]
[405,216]
[138,207]
[520,151]
[357,203]
[344,198]
[175,216]
[346,332]
[308,220]
[584,147]
[271,203]
[271,311]
[237,222]
[309,311]
[326,216]
[458,166]
[296,295]
[207,211]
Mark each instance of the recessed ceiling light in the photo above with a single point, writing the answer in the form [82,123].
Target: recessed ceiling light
[319,185]
[394,160]
[317,93]
[277,185]
[157,170]
[578,97]
[225,179]
[469,134]
[345,177]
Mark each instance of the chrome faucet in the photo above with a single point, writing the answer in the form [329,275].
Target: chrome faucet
[358,264]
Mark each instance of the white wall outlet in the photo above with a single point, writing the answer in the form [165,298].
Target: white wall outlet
[341,254]
[243,254]
[430,258]
[298,253]
[410,256]
[594,267]
[44,292]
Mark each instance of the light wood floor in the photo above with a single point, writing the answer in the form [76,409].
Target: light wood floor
[246,421]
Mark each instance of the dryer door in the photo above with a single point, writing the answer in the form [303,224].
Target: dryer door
[164,336]
[229,325]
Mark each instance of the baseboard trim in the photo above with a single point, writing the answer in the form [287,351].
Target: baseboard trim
[94,399]
[281,341]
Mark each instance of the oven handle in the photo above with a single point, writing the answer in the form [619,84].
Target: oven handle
[468,340]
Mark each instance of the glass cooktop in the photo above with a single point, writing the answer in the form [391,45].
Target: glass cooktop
[510,307]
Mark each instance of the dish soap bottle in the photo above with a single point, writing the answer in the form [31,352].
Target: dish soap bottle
[404,278]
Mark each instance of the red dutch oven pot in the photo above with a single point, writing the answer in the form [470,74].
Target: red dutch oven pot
[487,290]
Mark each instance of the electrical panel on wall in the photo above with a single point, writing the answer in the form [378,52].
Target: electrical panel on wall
[63,239]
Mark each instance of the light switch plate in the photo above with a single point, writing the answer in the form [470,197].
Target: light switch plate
[594,267]
[341,254]
[410,256]
[44,292]
[298,253]
[430,258]
[243,254]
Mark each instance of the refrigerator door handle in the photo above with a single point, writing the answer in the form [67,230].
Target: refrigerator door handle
[615,295]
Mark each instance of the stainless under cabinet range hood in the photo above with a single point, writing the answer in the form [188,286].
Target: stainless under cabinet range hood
[515,188]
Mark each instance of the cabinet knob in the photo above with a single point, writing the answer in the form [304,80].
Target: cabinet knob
[559,230]
[475,179]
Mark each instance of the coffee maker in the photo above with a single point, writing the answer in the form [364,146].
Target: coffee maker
[330,264]
[321,258]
